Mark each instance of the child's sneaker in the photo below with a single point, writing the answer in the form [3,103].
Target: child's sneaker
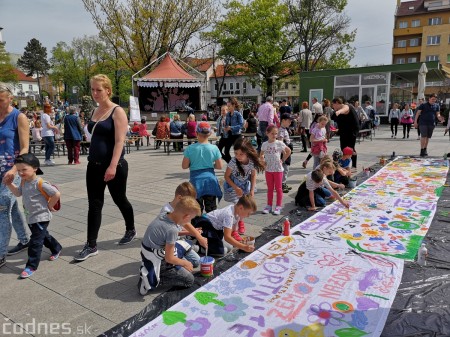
[241,227]
[236,236]
[277,210]
[27,273]
[285,188]
[305,162]
[267,209]
[54,257]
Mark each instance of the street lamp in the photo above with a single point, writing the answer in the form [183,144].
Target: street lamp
[274,78]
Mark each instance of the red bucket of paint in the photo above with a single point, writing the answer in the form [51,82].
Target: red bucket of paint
[207,266]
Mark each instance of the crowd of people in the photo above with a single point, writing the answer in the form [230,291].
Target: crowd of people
[191,223]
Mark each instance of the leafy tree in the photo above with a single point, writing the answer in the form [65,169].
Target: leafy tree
[322,31]
[142,30]
[257,34]
[34,60]
[7,73]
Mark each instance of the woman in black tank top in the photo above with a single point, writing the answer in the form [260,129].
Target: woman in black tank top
[107,166]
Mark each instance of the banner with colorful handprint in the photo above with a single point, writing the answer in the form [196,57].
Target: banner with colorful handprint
[389,213]
[292,286]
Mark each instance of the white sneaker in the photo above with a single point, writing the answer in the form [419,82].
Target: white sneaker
[277,210]
[49,162]
[267,209]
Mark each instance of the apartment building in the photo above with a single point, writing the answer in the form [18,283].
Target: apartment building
[422,32]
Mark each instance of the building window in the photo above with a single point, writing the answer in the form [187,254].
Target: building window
[448,58]
[434,21]
[432,58]
[231,86]
[433,40]
[238,86]
[403,24]
[224,86]
[286,85]
[414,42]
[244,85]
[30,87]
[400,60]
[415,23]
[20,86]
[401,44]
[215,86]
[412,59]
[253,85]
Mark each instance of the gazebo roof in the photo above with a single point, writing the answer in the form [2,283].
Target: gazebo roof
[168,70]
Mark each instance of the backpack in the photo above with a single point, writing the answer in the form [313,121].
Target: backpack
[57,206]
[372,114]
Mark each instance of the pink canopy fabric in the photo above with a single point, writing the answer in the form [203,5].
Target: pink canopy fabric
[168,69]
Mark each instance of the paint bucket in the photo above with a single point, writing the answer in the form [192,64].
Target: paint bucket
[248,240]
[352,182]
[207,266]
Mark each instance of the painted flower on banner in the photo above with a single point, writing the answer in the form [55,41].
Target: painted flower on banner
[196,327]
[324,314]
[311,279]
[233,309]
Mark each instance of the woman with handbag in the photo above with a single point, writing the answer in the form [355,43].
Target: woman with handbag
[406,120]
[107,165]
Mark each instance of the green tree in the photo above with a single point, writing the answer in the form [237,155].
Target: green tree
[7,73]
[34,60]
[142,30]
[323,33]
[258,35]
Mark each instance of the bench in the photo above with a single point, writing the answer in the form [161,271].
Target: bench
[130,140]
[166,142]
[363,134]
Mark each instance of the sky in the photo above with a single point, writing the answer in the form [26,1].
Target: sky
[51,21]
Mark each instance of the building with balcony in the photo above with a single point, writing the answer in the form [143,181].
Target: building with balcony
[422,32]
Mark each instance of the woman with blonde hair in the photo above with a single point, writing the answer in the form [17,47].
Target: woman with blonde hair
[106,165]
[305,119]
[176,127]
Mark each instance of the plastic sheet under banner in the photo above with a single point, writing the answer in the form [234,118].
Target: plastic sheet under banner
[290,286]
[420,307]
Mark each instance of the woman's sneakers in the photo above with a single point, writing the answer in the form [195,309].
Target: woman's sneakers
[128,237]
[27,273]
[85,253]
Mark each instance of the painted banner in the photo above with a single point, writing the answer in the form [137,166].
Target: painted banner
[292,286]
[389,213]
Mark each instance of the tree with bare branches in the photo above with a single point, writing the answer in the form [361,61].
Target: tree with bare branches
[142,30]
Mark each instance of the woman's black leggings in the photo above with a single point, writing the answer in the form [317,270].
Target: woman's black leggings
[96,195]
[394,126]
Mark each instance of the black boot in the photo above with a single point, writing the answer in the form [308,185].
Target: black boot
[422,152]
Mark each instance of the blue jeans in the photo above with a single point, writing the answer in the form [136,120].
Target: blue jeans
[49,142]
[320,194]
[40,237]
[262,131]
[10,217]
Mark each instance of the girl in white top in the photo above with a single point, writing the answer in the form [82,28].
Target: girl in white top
[271,152]
[394,118]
